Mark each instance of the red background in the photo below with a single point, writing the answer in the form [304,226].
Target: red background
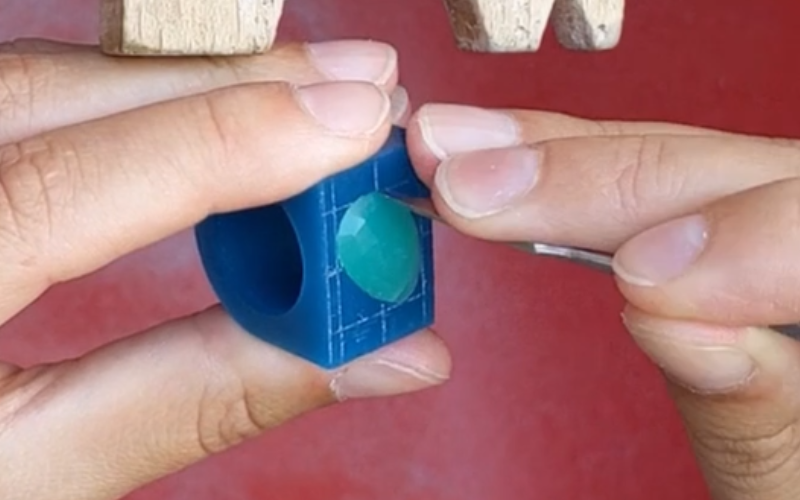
[550,399]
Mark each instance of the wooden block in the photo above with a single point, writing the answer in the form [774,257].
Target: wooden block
[588,24]
[188,27]
[499,25]
[518,25]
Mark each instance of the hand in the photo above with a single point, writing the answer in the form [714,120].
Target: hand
[706,230]
[99,157]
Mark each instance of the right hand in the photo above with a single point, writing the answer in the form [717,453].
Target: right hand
[705,227]
[100,157]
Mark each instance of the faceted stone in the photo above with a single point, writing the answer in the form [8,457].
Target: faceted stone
[379,248]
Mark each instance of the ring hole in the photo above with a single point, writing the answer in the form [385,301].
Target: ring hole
[267,260]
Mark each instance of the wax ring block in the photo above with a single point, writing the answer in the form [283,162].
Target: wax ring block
[334,273]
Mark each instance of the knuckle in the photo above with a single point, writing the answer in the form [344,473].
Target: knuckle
[234,410]
[225,418]
[35,185]
[233,407]
[228,119]
[758,460]
[221,140]
[226,128]
[23,78]
[641,172]
[220,132]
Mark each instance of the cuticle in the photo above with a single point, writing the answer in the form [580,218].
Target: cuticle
[384,115]
[417,372]
[715,392]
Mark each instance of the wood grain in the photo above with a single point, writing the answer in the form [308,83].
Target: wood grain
[499,25]
[518,25]
[588,24]
[188,27]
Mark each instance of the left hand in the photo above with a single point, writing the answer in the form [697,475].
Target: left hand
[102,156]
[706,230]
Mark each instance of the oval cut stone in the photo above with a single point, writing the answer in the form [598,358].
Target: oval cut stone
[378,245]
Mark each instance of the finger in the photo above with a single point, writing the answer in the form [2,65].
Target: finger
[148,406]
[733,262]
[439,131]
[738,391]
[44,85]
[78,198]
[401,107]
[597,192]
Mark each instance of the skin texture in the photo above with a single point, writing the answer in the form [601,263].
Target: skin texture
[136,410]
[705,228]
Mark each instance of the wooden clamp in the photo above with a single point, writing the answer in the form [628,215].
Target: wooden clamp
[240,27]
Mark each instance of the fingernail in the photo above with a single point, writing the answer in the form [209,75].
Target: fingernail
[487,182]
[400,106]
[702,358]
[348,109]
[371,378]
[354,60]
[662,253]
[449,129]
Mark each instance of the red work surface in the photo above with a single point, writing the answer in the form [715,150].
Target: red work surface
[549,399]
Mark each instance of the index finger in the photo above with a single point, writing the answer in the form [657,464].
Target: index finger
[439,131]
[47,85]
[73,200]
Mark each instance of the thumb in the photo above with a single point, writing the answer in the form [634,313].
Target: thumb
[137,410]
[738,392]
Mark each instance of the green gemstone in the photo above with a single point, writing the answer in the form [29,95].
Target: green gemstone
[379,247]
